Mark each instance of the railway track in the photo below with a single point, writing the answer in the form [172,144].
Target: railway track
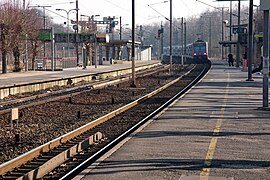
[37,98]
[53,118]
[57,157]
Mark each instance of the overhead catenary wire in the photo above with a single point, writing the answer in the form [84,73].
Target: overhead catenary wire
[116,5]
[183,1]
[127,11]
[157,12]
[56,13]
[163,16]
[217,8]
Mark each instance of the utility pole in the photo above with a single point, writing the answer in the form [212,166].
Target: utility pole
[250,40]
[230,38]
[4,51]
[53,50]
[185,41]
[142,43]
[120,34]
[210,36]
[77,31]
[44,27]
[238,36]
[133,84]
[182,41]
[161,40]
[112,31]
[26,53]
[95,50]
[158,45]
[222,33]
[170,35]
[141,35]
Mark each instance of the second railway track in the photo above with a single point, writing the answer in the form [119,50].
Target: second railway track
[77,149]
[51,94]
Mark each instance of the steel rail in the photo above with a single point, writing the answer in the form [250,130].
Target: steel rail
[98,154]
[8,166]
[56,95]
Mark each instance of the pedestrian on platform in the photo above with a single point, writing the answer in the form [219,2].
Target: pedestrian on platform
[230,59]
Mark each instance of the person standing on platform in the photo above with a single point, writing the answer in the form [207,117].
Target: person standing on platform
[230,59]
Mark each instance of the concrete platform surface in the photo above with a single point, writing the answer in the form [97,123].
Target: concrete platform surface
[215,132]
[34,76]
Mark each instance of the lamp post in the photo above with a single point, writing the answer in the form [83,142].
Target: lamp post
[68,53]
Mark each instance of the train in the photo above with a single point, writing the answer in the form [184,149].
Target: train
[196,52]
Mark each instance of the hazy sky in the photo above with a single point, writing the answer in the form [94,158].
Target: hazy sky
[144,13]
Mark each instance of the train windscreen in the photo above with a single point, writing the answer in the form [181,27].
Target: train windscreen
[199,48]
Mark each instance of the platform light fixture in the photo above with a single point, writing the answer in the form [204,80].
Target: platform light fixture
[67,12]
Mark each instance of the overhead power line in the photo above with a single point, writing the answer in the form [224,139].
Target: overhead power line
[117,5]
[56,13]
[208,5]
[158,12]
[217,8]
[183,1]
[127,10]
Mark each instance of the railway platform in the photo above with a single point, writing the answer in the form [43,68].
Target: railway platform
[217,131]
[35,76]
[33,81]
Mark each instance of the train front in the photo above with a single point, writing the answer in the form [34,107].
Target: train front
[200,51]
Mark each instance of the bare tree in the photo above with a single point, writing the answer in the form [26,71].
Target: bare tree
[17,23]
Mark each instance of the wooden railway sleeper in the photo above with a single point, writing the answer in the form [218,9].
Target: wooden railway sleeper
[35,163]
[54,161]
[32,165]
[24,170]
[9,177]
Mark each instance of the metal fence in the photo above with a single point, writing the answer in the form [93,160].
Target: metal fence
[45,64]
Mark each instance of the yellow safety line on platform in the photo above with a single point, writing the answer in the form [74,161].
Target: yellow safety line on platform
[204,175]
